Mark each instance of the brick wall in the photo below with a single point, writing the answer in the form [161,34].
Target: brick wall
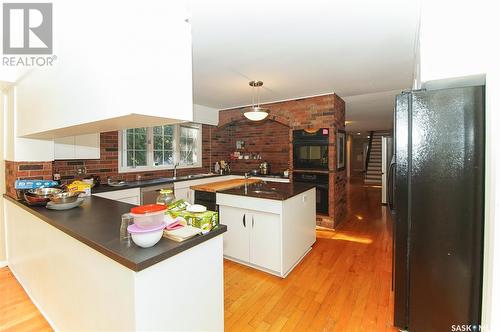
[25,170]
[326,111]
[270,139]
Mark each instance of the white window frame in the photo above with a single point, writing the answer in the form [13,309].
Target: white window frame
[149,155]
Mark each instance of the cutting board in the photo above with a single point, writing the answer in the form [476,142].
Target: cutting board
[223,185]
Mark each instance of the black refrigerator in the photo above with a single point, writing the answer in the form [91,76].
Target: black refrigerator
[437,202]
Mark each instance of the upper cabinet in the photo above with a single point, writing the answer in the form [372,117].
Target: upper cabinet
[77,147]
[117,65]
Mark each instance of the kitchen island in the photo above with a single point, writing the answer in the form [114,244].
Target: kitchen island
[82,277]
[271,226]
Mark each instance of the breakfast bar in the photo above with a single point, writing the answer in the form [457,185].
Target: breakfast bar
[60,256]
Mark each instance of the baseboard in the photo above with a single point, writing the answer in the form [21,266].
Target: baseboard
[3,264]
[44,314]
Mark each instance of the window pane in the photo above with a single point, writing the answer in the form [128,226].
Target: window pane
[130,140]
[141,141]
[140,158]
[141,131]
[158,130]
[168,141]
[158,142]
[168,158]
[169,130]
[158,157]
[130,158]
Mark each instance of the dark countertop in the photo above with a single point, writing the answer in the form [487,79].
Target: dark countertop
[269,190]
[153,182]
[96,223]
[147,183]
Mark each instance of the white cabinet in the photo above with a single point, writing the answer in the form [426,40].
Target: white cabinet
[270,235]
[130,196]
[99,81]
[253,237]
[78,147]
[237,238]
[265,239]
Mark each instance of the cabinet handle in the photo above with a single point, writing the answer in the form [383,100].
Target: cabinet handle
[244,221]
[252,221]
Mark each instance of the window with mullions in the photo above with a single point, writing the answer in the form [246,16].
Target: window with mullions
[160,147]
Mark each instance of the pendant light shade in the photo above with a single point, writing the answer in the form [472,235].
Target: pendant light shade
[256,113]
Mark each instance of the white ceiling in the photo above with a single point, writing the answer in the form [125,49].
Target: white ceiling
[304,48]
[373,111]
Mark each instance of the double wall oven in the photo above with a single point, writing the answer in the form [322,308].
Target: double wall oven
[310,162]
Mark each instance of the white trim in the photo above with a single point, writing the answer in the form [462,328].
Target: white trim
[3,264]
[281,100]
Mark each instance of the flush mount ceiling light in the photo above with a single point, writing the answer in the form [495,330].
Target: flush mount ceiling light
[256,113]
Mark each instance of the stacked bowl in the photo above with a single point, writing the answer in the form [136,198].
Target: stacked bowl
[149,222]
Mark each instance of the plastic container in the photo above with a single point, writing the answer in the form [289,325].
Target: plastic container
[146,238]
[166,197]
[148,216]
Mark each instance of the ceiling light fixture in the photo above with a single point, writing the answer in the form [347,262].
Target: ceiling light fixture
[256,113]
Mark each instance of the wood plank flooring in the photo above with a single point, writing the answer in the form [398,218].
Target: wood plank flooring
[17,312]
[343,284]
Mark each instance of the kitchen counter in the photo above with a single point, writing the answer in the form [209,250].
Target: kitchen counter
[81,277]
[269,190]
[97,224]
[271,226]
[152,182]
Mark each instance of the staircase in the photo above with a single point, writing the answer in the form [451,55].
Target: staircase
[373,174]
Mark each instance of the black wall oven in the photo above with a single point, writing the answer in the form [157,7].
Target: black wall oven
[310,149]
[320,180]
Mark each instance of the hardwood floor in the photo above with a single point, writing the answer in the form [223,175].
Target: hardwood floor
[343,284]
[17,312]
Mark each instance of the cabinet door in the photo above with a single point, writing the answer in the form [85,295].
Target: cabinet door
[265,240]
[181,193]
[236,239]
[87,146]
[64,148]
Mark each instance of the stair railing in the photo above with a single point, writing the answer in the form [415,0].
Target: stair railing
[368,152]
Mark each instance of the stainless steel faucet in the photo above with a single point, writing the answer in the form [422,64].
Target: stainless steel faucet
[175,170]
[246,183]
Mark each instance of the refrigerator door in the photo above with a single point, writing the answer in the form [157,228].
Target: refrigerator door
[400,207]
[446,208]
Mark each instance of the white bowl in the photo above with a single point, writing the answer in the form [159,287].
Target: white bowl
[147,239]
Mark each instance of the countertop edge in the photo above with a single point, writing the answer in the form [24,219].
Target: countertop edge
[185,245]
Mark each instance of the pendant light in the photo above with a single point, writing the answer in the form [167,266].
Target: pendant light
[256,113]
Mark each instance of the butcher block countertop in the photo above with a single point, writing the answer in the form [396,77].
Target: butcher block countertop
[223,185]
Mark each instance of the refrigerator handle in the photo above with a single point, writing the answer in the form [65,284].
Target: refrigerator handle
[391,186]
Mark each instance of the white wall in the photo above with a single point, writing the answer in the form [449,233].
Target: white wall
[454,39]
[22,149]
[459,45]
[114,59]
[205,115]
[2,186]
